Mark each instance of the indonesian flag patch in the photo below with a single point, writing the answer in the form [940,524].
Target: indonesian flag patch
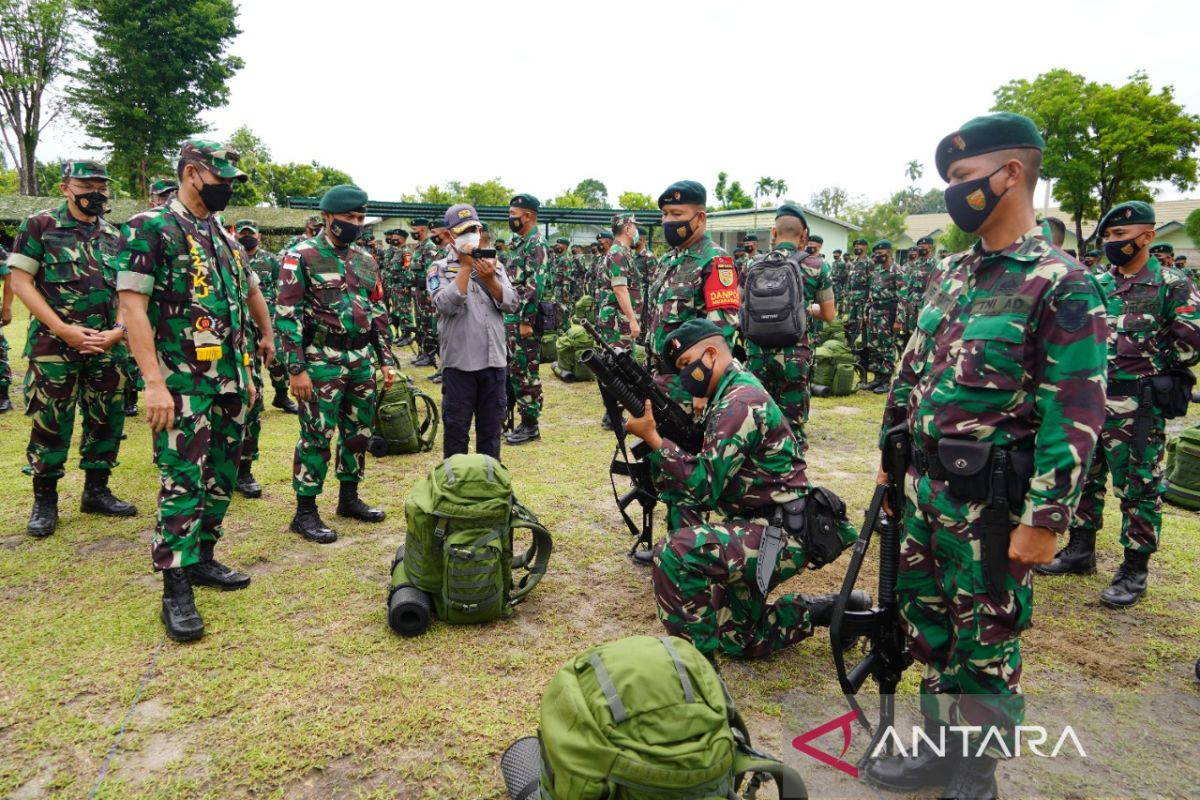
[290,261]
[721,287]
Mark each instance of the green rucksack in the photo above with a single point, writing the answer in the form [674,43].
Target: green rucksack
[549,347]
[570,345]
[1183,470]
[406,420]
[826,360]
[636,719]
[459,547]
[845,379]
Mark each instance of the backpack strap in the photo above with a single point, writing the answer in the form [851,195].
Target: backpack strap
[606,685]
[753,768]
[427,432]
[450,479]
[689,695]
[536,558]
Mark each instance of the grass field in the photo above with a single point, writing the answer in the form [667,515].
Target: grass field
[299,689]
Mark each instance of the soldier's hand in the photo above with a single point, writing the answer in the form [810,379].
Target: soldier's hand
[525,330]
[645,428]
[881,478]
[109,339]
[266,349]
[251,394]
[698,405]
[160,408]
[389,377]
[5,315]
[1029,545]
[635,330]
[301,386]
[80,338]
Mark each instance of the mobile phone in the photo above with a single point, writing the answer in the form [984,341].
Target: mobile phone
[484,252]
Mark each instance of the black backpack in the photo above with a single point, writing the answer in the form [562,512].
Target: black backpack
[774,311]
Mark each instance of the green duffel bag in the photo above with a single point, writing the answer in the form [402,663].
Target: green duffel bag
[458,548]
[406,419]
[845,380]
[549,347]
[640,718]
[570,346]
[826,360]
[831,331]
[1183,470]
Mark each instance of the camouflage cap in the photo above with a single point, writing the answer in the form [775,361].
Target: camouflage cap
[220,161]
[84,169]
[313,219]
[164,185]
[246,225]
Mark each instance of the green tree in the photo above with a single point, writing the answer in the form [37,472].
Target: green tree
[721,189]
[636,201]
[762,188]
[281,181]
[779,189]
[879,221]
[1191,226]
[1105,144]
[914,170]
[155,66]
[254,154]
[830,201]
[35,48]
[955,239]
[593,192]
[10,181]
[488,193]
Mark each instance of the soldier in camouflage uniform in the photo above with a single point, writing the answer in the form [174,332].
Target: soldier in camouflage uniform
[161,192]
[562,281]
[312,226]
[1165,254]
[618,288]
[423,257]
[397,261]
[1008,355]
[705,580]
[186,295]
[527,272]
[333,331]
[916,279]
[265,265]
[858,279]
[784,371]
[1153,326]
[883,321]
[1092,260]
[6,298]
[645,261]
[62,263]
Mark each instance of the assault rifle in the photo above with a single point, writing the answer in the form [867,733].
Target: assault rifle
[626,385]
[887,656]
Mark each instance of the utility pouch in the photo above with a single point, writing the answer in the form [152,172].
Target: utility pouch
[966,464]
[1172,392]
[821,518]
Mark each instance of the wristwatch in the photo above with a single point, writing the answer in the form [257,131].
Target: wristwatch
[295,369]
[117,326]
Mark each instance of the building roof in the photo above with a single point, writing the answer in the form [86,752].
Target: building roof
[734,219]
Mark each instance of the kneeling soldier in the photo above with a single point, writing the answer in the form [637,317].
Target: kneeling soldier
[750,465]
[333,329]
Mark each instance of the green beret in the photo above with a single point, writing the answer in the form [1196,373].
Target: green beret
[987,134]
[403,234]
[164,185]
[526,201]
[817,239]
[683,193]
[1162,248]
[861,241]
[84,169]
[604,235]
[790,210]
[1093,253]
[246,225]
[420,222]
[562,241]
[882,244]
[686,335]
[750,237]
[925,240]
[1132,212]
[342,198]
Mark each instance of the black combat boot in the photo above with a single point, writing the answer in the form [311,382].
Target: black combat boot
[820,607]
[210,572]
[405,340]
[923,767]
[308,523]
[131,402]
[179,612]
[973,778]
[43,519]
[1129,584]
[606,423]
[436,377]
[422,360]
[527,431]
[99,499]
[5,402]
[883,384]
[1077,558]
[284,403]
[246,483]
[351,505]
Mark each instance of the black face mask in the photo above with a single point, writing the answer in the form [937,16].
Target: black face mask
[248,242]
[345,232]
[91,203]
[676,233]
[810,250]
[858,251]
[695,377]
[1122,252]
[514,224]
[215,196]
[879,259]
[970,203]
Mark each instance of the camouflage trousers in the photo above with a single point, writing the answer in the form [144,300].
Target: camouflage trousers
[614,328]
[881,337]
[706,590]
[5,367]
[426,321]
[784,373]
[343,399]
[967,642]
[53,390]
[254,415]
[197,460]
[855,313]
[524,372]
[133,376]
[1137,483]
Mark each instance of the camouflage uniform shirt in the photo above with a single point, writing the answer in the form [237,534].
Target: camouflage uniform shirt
[698,281]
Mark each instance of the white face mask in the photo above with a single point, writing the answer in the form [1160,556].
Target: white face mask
[467,243]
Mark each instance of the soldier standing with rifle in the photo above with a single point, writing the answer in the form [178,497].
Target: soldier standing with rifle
[1153,338]
[882,320]
[1001,389]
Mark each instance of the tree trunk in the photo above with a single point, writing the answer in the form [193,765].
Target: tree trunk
[28,166]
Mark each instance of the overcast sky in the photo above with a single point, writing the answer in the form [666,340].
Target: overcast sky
[639,94]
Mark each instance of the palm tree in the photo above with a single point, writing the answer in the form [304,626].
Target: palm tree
[761,189]
[780,190]
[914,170]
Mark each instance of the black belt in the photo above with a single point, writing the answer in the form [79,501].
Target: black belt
[1124,388]
[345,341]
